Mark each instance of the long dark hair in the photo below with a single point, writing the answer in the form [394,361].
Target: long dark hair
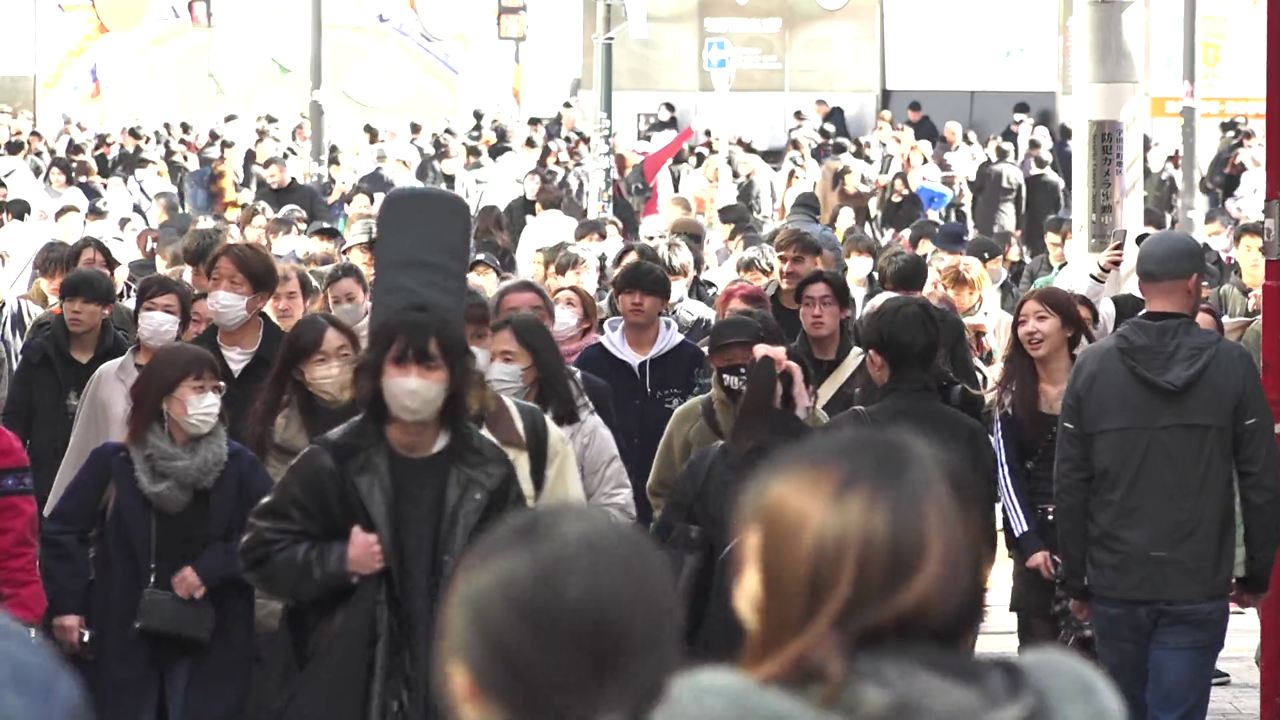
[169,366]
[1019,383]
[405,337]
[285,383]
[491,224]
[556,395]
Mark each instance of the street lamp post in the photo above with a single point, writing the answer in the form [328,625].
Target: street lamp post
[318,149]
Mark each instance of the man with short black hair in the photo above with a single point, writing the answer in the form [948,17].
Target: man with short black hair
[282,189]
[1241,295]
[827,343]
[920,123]
[1164,426]
[1219,227]
[1046,196]
[906,273]
[651,367]
[57,362]
[1000,194]
[799,253]
[901,342]
[548,228]
[198,246]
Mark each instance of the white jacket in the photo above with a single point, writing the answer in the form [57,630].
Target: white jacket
[604,477]
[101,417]
[550,227]
[561,482]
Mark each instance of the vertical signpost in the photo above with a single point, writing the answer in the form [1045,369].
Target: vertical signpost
[513,26]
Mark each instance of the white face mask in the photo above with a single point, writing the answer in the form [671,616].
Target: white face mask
[566,326]
[203,412]
[1220,243]
[413,399]
[507,379]
[157,329]
[997,275]
[482,358]
[229,310]
[350,313]
[860,267]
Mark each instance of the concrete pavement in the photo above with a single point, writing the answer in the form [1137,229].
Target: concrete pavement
[1237,701]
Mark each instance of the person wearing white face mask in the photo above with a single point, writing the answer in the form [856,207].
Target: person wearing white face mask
[347,292]
[242,279]
[178,494]
[409,485]
[860,251]
[526,366]
[1002,290]
[311,391]
[575,323]
[537,448]
[693,317]
[163,309]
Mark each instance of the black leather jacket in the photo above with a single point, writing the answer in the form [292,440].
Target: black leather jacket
[295,549]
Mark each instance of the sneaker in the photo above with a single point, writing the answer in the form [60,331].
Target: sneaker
[1220,678]
[1236,609]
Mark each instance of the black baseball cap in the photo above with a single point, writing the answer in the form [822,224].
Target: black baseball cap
[952,238]
[734,330]
[984,248]
[1169,255]
[484,258]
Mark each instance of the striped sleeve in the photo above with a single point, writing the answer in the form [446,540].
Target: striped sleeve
[1018,513]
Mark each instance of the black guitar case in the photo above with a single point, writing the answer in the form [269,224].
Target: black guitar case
[420,253]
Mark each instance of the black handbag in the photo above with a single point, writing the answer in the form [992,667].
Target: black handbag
[162,614]
[687,547]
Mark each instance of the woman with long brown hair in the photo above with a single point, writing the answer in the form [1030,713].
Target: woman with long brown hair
[1048,331]
[860,588]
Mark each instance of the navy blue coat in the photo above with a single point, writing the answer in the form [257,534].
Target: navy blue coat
[643,401]
[121,678]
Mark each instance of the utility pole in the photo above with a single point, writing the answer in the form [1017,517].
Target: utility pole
[1190,116]
[318,147]
[1107,101]
[1269,615]
[603,81]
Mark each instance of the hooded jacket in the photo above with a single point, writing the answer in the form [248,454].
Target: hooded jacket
[46,391]
[1154,419]
[1231,298]
[646,391]
[1042,684]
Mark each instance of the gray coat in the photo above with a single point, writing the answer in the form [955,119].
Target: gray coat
[1043,684]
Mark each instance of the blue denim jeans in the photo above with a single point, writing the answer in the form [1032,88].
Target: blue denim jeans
[1161,654]
[172,691]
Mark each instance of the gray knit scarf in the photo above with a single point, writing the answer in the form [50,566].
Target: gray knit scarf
[169,475]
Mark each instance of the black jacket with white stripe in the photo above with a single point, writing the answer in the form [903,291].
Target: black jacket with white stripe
[1021,492]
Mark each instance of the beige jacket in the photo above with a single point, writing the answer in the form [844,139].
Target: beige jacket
[563,485]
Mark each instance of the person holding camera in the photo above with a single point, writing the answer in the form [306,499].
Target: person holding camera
[139,555]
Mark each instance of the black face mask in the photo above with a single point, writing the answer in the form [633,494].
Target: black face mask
[733,378]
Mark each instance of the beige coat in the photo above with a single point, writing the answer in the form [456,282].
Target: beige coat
[562,484]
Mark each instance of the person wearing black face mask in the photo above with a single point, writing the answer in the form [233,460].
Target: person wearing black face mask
[706,419]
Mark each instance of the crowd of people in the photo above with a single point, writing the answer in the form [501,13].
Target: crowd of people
[776,417]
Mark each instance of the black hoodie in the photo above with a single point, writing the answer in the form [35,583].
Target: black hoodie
[1155,421]
[45,393]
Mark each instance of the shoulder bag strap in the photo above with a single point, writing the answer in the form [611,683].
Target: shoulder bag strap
[839,376]
[708,407]
[152,582]
[535,441]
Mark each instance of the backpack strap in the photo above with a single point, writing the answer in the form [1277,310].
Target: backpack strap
[708,406]
[697,470]
[535,440]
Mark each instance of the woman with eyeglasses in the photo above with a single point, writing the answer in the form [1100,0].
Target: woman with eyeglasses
[163,310]
[310,391]
[154,611]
